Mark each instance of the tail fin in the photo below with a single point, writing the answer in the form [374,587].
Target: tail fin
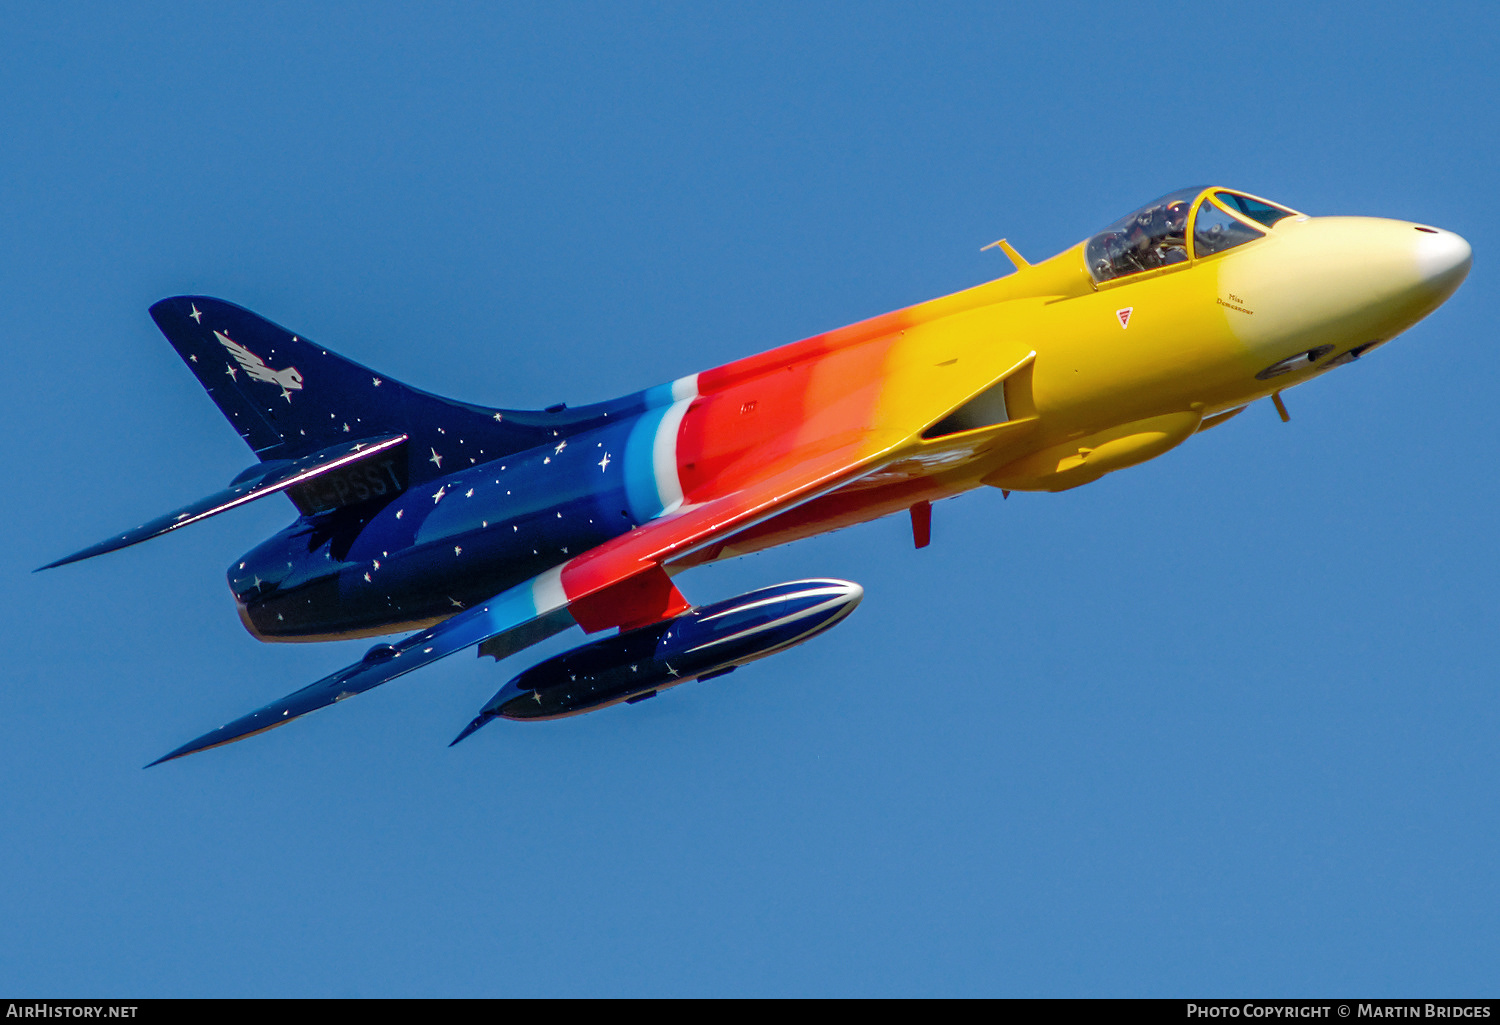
[288,397]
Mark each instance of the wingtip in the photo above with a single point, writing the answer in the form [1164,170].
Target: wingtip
[180,752]
[243,727]
[192,747]
[77,556]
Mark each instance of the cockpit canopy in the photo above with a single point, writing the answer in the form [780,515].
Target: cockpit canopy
[1157,235]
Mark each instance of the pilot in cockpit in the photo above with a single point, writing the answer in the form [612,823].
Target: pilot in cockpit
[1171,236]
[1177,215]
[1152,237]
[1155,236]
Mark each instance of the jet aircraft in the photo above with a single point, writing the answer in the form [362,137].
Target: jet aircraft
[496,528]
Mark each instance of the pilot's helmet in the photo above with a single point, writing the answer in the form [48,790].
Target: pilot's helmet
[1140,231]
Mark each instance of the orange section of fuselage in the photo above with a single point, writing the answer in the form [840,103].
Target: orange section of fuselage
[756,413]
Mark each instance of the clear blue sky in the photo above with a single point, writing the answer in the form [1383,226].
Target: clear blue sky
[1224,723]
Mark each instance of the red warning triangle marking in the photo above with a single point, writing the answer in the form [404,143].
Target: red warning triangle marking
[1124,316]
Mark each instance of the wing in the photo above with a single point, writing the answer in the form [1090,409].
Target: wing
[599,589]
[534,602]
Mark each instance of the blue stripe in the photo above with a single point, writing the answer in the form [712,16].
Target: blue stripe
[641,492]
[504,612]
[661,395]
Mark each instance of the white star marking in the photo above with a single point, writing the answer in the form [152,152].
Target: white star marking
[469,493]
[560,446]
[457,550]
[194,358]
[231,371]
[436,459]
[377,381]
[400,513]
[670,670]
[546,460]
[499,419]
[440,493]
[455,601]
[604,463]
[197,317]
[538,696]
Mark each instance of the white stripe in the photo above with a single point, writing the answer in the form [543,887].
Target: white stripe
[664,454]
[685,388]
[547,591]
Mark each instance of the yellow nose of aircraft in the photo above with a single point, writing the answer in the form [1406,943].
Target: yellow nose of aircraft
[1327,285]
[1198,304]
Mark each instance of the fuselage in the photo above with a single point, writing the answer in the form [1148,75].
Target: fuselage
[1107,354]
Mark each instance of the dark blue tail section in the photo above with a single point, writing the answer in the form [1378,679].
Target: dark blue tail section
[288,397]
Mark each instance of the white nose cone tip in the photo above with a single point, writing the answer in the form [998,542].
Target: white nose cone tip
[1443,259]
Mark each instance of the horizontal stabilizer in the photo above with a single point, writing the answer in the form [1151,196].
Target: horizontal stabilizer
[322,480]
